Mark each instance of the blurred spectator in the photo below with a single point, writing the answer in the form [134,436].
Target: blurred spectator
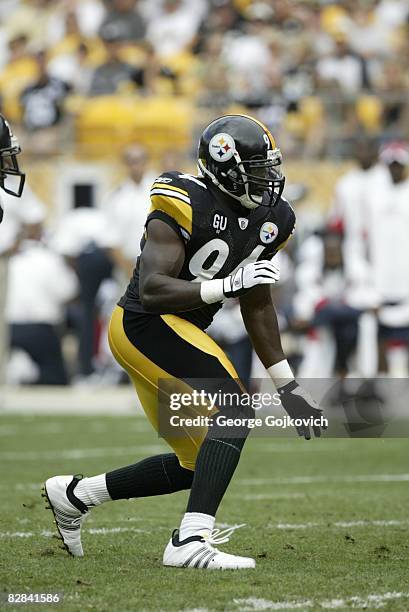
[123,22]
[74,68]
[393,94]
[20,214]
[229,331]
[80,236]
[175,28]
[33,18]
[213,73]
[222,19]
[343,69]
[39,286]
[7,7]
[43,100]
[250,60]
[392,13]
[3,47]
[126,210]
[321,305]
[88,15]
[309,217]
[115,75]
[387,226]
[387,209]
[20,70]
[367,35]
[350,208]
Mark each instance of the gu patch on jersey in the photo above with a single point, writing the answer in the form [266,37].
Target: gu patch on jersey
[268,232]
[219,222]
[222,147]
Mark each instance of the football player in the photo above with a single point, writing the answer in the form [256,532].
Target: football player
[207,238]
[11,179]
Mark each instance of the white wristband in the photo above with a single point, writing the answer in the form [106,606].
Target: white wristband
[281,373]
[211,291]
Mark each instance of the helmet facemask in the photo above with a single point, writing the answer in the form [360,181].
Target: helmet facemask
[252,178]
[11,178]
[249,179]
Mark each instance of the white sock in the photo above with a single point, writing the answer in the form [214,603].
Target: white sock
[195,523]
[92,491]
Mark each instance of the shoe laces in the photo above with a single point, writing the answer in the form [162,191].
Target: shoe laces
[79,520]
[67,522]
[221,536]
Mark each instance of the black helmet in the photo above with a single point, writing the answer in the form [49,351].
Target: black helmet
[11,179]
[239,155]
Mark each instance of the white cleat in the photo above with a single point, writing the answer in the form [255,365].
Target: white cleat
[68,510]
[198,552]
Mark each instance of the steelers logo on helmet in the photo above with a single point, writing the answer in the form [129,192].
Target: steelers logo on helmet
[222,147]
[268,232]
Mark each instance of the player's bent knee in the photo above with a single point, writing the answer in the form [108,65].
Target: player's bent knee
[188,465]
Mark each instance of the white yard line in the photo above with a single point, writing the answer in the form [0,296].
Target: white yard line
[340,524]
[293,525]
[70,400]
[299,480]
[279,526]
[290,448]
[137,425]
[45,533]
[378,600]
[137,450]
[81,453]
[261,496]
[108,530]
[255,603]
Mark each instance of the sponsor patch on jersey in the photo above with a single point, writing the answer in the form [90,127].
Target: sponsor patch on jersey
[268,232]
[222,147]
[243,223]
[163,179]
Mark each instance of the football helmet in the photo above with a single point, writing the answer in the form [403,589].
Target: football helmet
[239,155]
[11,178]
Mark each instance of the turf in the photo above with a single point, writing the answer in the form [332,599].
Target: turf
[294,496]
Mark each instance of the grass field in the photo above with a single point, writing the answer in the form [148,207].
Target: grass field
[326,520]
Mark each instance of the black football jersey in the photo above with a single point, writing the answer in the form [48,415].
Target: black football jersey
[218,237]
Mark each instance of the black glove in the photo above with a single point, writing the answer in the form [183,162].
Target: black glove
[300,405]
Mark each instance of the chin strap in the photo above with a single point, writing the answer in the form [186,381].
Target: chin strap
[249,204]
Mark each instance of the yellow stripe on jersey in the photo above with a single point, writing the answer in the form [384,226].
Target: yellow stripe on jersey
[171,187]
[198,338]
[176,208]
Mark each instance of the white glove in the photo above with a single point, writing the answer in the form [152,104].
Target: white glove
[234,285]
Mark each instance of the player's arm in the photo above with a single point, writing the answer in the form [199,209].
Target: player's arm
[260,319]
[161,262]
